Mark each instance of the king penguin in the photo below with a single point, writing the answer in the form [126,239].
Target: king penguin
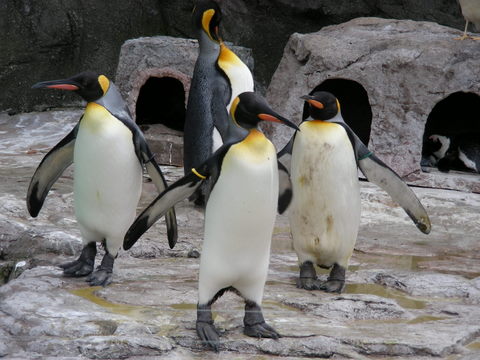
[108,150]
[239,216]
[325,211]
[219,76]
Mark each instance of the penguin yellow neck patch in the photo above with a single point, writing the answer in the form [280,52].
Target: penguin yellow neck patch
[104,83]
[318,125]
[255,147]
[228,58]
[233,108]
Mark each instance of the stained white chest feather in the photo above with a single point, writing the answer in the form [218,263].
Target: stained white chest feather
[325,210]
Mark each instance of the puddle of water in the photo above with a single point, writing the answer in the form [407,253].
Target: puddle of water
[446,264]
[418,320]
[426,318]
[474,345]
[184,306]
[141,313]
[278,305]
[401,298]
[137,312]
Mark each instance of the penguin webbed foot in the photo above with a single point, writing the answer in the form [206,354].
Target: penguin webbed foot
[103,275]
[254,323]
[83,265]
[262,330]
[208,334]
[206,331]
[308,277]
[336,280]
[332,286]
[100,278]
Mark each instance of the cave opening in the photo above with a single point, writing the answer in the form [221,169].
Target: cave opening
[161,100]
[451,139]
[354,105]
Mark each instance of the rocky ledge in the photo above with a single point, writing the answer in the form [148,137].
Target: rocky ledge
[409,295]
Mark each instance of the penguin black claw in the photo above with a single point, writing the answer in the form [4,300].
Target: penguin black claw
[332,286]
[309,284]
[261,331]
[77,268]
[100,278]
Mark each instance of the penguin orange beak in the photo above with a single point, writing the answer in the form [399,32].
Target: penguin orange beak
[312,101]
[277,118]
[63,84]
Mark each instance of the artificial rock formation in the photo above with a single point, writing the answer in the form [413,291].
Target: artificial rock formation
[405,67]
[162,57]
[76,36]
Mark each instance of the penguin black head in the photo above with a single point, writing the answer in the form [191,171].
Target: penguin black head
[87,84]
[206,17]
[249,108]
[322,105]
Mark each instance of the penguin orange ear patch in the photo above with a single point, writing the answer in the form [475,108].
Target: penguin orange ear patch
[268,117]
[63,87]
[315,103]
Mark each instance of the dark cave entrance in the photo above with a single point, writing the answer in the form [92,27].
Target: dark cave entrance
[354,105]
[456,117]
[161,100]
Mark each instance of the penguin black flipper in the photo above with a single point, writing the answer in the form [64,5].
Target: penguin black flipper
[287,149]
[379,173]
[221,96]
[178,191]
[161,184]
[285,192]
[50,169]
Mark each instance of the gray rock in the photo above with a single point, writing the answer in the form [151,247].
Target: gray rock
[160,56]
[406,68]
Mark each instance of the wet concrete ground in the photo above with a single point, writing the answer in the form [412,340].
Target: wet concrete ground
[408,295]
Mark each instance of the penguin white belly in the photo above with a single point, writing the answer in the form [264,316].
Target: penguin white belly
[239,221]
[108,176]
[325,211]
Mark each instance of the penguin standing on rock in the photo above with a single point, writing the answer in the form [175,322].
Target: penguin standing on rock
[471,13]
[239,216]
[219,76]
[325,211]
[108,151]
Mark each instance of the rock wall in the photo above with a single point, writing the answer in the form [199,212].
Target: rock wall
[406,68]
[162,56]
[58,38]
